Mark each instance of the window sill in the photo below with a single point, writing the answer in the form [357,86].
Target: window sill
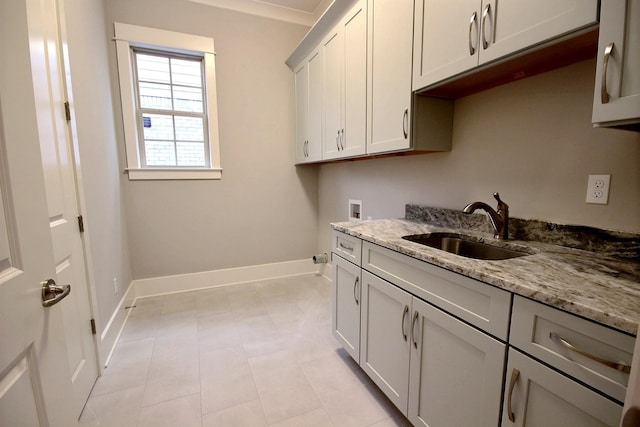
[173,174]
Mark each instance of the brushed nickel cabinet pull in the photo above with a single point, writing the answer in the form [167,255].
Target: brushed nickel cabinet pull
[405,123]
[355,290]
[404,316]
[512,383]
[618,366]
[604,94]
[485,13]
[472,20]
[416,315]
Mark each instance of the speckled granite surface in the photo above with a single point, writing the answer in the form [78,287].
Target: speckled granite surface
[601,283]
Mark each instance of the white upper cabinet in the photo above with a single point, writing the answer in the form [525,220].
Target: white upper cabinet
[458,36]
[390,56]
[344,91]
[617,90]
[308,88]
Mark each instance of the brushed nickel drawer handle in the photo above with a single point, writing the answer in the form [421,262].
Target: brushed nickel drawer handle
[512,384]
[604,94]
[404,316]
[343,246]
[618,366]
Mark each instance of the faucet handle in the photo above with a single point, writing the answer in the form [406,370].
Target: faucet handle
[502,206]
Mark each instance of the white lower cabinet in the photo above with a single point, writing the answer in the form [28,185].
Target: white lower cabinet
[346,305]
[538,396]
[435,343]
[384,343]
[436,369]
[456,372]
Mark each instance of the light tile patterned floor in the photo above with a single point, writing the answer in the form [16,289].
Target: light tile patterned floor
[246,355]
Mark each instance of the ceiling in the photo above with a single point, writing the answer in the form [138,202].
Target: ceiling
[304,12]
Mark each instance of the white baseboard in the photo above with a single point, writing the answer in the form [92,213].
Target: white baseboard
[228,276]
[112,330]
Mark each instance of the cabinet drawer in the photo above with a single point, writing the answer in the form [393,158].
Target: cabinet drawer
[477,303]
[559,338]
[348,247]
[536,395]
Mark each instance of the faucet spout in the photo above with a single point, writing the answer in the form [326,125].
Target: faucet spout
[499,218]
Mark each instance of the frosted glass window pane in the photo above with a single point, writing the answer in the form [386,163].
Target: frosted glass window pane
[153,68]
[189,129]
[155,96]
[186,72]
[160,153]
[187,99]
[190,153]
[159,127]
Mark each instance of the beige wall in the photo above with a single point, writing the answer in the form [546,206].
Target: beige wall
[100,177]
[530,140]
[264,209]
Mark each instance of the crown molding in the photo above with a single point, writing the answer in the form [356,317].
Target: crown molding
[268,10]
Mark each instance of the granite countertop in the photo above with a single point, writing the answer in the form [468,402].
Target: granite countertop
[589,272]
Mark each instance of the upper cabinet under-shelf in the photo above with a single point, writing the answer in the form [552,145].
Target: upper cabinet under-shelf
[466,46]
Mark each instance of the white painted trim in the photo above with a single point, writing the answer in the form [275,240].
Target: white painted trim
[126,36]
[157,38]
[164,174]
[110,335]
[267,10]
[208,279]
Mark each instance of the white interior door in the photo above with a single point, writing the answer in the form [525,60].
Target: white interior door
[62,206]
[34,375]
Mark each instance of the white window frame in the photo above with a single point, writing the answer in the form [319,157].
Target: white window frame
[128,36]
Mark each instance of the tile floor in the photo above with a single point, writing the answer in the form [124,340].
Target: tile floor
[253,354]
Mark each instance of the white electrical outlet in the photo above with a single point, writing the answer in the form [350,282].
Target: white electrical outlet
[598,189]
[115,286]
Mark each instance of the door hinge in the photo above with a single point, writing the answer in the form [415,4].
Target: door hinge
[81,224]
[67,111]
[93,326]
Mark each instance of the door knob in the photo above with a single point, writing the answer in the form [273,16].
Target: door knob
[52,293]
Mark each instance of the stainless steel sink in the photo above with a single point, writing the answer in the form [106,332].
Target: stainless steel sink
[457,244]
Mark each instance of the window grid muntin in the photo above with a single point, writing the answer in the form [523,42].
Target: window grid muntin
[173,113]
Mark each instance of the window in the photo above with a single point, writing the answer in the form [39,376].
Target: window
[168,96]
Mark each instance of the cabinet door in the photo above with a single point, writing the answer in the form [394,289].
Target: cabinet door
[446,39]
[617,89]
[510,26]
[314,117]
[390,53]
[346,305]
[456,371]
[384,342]
[354,117]
[541,397]
[301,76]
[332,49]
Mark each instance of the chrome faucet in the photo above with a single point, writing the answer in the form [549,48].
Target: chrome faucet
[499,219]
